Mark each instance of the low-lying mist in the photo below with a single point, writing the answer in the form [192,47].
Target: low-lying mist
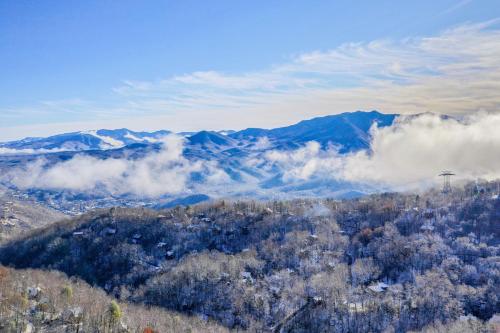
[164,172]
[407,155]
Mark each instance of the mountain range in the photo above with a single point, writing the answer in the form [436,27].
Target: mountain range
[229,164]
[349,131]
[86,140]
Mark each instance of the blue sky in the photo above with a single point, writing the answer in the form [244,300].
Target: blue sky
[187,65]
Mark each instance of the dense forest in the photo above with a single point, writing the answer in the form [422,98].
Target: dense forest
[383,263]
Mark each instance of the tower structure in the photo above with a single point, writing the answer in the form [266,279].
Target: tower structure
[446,174]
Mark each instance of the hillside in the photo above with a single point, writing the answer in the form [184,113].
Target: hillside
[385,262]
[19,215]
[348,130]
[42,301]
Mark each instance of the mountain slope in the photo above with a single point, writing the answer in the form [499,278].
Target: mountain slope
[18,216]
[371,264]
[49,301]
[86,140]
[238,164]
[207,138]
[348,130]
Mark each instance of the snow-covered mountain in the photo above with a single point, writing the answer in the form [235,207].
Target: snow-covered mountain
[85,140]
[255,163]
[349,131]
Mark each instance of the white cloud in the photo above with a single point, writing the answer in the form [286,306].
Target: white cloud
[262,143]
[156,174]
[454,72]
[458,5]
[409,154]
[416,149]
[306,162]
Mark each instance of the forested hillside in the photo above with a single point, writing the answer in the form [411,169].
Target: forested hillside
[383,263]
[42,301]
[21,215]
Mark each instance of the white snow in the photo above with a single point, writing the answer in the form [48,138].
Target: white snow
[150,139]
[108,141]
[379,287]
[132,137]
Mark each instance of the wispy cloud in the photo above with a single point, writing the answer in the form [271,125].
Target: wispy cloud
[454,72]
[460,4]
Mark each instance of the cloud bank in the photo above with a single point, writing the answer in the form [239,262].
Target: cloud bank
[415,149]
[166,172]
[407,155]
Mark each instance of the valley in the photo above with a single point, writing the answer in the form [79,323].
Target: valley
[250,166]
[255,230]
[246,164]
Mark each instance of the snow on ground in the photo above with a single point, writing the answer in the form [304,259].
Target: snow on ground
[109,142]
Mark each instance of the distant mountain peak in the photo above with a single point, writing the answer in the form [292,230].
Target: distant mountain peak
[209,137]
[350,130]
[101,139]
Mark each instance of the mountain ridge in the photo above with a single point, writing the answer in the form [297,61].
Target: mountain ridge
[349,131]
[210,164]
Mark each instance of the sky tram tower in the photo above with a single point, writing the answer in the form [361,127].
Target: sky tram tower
[446,174]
